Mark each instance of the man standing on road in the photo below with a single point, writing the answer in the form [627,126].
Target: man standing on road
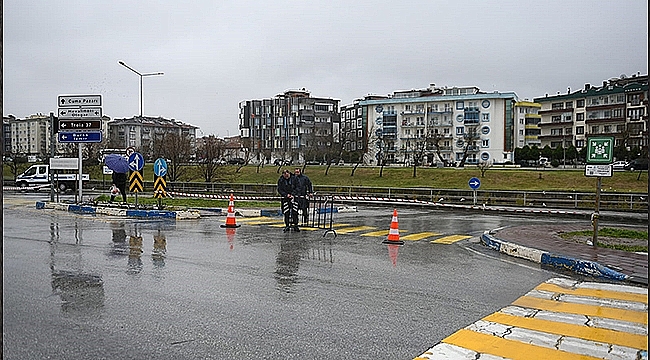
[286,189]
[303,189]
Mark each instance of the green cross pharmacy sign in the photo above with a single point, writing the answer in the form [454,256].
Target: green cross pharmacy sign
[600,150]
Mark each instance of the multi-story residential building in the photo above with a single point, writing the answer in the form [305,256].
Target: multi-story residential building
[292,125]
[618,108]
[31,135]
[398,123]
[6,134]
[143,132]
[527,120]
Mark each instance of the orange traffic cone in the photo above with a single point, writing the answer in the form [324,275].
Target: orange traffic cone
[230,218]
[393,233]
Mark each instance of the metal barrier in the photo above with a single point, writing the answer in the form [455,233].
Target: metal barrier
[321,210]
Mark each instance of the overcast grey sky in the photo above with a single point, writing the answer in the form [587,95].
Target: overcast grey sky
[216,53]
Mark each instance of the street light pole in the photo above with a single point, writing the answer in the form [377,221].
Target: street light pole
[141,76]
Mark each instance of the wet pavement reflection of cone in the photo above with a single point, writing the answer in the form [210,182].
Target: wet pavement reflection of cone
[230,218]
[392,253]
[230,235]
[393,233]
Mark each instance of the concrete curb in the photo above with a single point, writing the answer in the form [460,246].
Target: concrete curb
[111,211]
[582,267]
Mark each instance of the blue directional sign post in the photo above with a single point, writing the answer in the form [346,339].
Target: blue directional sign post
[159,181]
[474,183]
[136,184]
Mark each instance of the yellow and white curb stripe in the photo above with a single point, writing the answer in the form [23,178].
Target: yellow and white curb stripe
[559,319]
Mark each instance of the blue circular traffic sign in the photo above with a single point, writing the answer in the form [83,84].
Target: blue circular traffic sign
[474,183]
[160,167]
[136,161]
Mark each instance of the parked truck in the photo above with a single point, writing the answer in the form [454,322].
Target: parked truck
[37,175]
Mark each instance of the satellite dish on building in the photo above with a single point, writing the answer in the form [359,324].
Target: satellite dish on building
[623,76]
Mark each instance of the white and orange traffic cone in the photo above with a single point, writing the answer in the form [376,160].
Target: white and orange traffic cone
[393,233]
[230,218]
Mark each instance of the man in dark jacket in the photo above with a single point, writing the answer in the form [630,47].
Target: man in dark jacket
[119,180]
[286,189]
[303,189]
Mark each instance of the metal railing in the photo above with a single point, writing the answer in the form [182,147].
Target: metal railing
[635,202]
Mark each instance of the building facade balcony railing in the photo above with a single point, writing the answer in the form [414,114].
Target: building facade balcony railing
[604,106]
[554,111]
[442,123]
[604,120]
[471,121]
[440,111]
[555,123]
[413,112]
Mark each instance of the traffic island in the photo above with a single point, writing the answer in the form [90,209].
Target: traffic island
[119,210]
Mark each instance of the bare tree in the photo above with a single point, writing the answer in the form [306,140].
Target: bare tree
[177,149]
[434,141]
[483,166]
[209,153]
[470,137]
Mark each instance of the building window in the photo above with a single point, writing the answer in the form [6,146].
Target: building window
[485,156]
[485,130]
[580,117]
[486,117]
[460,130]
[556,106]
[568,105]
[485,143]
[607,129]
[580,103]
[460,105]
[594,129]
[580,143]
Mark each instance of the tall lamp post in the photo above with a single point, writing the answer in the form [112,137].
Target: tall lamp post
[141,76]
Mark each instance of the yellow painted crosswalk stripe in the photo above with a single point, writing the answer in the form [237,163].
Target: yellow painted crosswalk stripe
[418,236]
[606,336]
[450,239]
[256,218]
[376,233]
[264,222]
[381,233]
[511,349]
[353,229]
[597,293]
[581,309]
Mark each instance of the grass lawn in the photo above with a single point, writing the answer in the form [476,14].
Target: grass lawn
[446,178]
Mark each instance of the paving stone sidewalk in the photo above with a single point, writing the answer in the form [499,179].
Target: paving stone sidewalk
[546,238]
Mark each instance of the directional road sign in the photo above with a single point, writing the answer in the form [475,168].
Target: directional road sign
[160,167]
[80,137]
[136,161]
[80,100]
[80,124]
[600,150]
[75,113]
[474,183]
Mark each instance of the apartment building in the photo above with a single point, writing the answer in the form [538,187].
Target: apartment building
[526,125]
[292,125]
[618,108]
[398,123]
[30,136]
[142,132]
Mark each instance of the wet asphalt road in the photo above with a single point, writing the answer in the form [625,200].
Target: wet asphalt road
[81,287]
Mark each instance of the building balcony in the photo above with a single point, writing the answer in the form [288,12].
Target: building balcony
[440,111]
[555,111]
[604,107]
[442,123]
[555,123]
[604,120]
[412,112]
[472,121]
